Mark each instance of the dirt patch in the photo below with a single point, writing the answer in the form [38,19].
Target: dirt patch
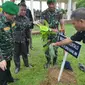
[67,78]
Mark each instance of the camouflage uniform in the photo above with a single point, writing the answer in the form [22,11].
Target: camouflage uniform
[6,48]
[6,39]
[22,23]
[53,19]
[29,32]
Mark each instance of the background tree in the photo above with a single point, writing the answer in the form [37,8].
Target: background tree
[80,3]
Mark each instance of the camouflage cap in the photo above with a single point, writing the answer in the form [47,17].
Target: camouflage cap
[10,8]
[51,1]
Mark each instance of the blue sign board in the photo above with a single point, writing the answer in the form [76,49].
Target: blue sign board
[72,48]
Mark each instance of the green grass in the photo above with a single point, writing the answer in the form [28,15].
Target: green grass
[33,76]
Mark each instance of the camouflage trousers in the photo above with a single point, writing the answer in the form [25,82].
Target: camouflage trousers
[51,52]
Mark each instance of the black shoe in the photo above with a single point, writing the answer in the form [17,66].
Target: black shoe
[82,67]
[31,48]
[17,70]
[30,66]
[14,80]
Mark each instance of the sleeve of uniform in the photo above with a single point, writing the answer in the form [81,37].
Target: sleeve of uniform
[77,36]
[29,15]
[42,15]
[1,57]
[31,19]
[60,14]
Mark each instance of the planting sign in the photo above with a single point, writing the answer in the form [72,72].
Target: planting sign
[73,48]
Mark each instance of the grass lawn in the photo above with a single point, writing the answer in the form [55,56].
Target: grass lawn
[33,76]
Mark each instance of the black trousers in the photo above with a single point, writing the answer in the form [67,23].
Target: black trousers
[30,38]
[20,49]
[27,45]
[5,76]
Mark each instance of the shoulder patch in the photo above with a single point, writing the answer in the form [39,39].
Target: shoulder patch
[6,28]
[13,24]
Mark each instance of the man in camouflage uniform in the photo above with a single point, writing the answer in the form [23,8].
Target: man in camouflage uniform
[29,31]
[6,45]
[53,17]
[22,23]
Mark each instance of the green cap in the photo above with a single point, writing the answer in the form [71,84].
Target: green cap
[10,8]
[51,1]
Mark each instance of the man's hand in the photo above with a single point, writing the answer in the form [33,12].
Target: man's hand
[54,30]
[3,65]
[63,42]
[62,30]
[56,44]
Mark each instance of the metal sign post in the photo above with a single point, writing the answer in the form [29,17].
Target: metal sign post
[62,66]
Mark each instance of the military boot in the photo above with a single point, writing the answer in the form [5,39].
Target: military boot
[54,61]
[17,68]
[47,65]
[26,63]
